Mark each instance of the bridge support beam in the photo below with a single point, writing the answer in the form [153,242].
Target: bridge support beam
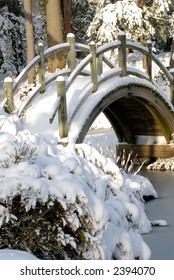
[122,53]
[71,52]
[172,86]
[8,92]
[149,60]
[41,67]
[99,62]
[93,66]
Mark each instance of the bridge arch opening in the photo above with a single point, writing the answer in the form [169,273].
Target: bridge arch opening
[134,109]
[102,137]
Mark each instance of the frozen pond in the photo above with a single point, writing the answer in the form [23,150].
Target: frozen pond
[160,240]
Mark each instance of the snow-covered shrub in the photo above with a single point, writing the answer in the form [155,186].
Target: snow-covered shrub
[13,41]
[82,13]
[52,215]
[139,22]
[161,79]
[162,164]
[69,202]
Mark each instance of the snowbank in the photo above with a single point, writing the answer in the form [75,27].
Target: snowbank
[101,206]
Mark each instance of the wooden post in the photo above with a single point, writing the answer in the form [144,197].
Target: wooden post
[72,52]
[93,66]
[172,55]
[41,67]
[99,63]
[122,53]
[172,86]
[8,93]
[149,59]
[62,112]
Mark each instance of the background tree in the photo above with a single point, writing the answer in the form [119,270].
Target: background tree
[54,33]
[13,6]
[66,6]
[29,37]
[140,19]
[12,41]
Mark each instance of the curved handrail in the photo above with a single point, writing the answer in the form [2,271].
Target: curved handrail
[57,48]
[82,47]
[98,53]
[107,47]
[162,67]
[35,61]
[135,46]
[78,69]
[25,71]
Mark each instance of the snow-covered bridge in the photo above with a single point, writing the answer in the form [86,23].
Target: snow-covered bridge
[130,98]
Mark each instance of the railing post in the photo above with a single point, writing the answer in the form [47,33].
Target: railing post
[8,93]
[122,53]
[149,60]
[93,66]
[62,112]
[99,63]
[41,67]
[172,86]
[71,52]
[172,55]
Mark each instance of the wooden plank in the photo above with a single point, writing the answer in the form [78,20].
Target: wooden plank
[154,151]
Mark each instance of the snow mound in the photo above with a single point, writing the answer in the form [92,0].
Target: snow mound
[96,212]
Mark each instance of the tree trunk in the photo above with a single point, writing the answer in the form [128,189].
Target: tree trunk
[29,38]
[54,34]
[172,55]
[66,11]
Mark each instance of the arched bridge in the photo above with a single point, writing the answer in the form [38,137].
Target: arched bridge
[131,100]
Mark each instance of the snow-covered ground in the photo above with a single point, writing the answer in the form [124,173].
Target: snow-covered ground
[33,165]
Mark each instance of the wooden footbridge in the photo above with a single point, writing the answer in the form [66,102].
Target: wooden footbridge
[131,100]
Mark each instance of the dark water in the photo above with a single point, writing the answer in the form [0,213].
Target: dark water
[161,239]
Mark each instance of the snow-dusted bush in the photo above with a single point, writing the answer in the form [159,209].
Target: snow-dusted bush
[13,41]
[139,22]
[69,203]
[162,164]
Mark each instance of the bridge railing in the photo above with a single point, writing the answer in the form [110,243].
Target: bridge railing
[94,60]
